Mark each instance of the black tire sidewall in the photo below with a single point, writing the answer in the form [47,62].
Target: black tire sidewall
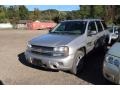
[75,68]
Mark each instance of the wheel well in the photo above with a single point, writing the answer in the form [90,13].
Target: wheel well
[83,49]
[107,39]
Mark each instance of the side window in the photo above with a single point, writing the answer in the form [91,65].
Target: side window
[92,26]
[99,26]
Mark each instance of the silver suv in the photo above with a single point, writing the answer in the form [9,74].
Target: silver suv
[64,47]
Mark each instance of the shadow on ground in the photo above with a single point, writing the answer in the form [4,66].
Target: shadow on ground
[22,59]
[1,83]
[92,71]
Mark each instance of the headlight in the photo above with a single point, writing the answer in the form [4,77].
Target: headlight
[61,51]
[113,60]
[110,60]
[116,62]
[29,45]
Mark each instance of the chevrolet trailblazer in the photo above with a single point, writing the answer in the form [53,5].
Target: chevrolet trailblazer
[64,47]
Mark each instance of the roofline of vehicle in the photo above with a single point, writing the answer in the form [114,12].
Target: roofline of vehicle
[83,20]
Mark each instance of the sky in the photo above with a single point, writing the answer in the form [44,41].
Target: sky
[57,7]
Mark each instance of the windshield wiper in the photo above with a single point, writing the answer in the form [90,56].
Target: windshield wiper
[55,33]
[70,32]
[65,32]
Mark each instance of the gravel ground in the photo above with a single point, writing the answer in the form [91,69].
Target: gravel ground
[14,71]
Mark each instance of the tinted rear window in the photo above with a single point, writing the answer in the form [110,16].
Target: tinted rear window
[99,26]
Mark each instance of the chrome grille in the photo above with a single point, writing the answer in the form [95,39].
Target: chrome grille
[42,47]
[44,54]
[42,50]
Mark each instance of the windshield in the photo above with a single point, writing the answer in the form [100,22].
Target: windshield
[70,27]
[111,30]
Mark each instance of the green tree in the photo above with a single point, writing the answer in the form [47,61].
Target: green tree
[59,16]
[69,16]
[23,12]
[13,14]
[3,17]
[56,19]
[117,14]
[99,11]
[75,14]
[36,14]
[31,15]
[94,11]
[84,11]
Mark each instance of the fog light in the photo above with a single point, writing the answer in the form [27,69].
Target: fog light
[30,60]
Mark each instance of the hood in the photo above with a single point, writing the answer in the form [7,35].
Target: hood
[52,40]
[115,49]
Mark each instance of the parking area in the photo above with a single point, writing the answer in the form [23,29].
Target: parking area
[14,69]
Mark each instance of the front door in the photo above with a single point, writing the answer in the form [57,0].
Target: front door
[91,36]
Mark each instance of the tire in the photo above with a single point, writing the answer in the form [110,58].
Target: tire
[78,62]
[103,42]
[100,43]
[107,40]
[96,45]
[106,44]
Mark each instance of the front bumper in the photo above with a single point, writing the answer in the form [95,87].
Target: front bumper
[111,72]
[59,63]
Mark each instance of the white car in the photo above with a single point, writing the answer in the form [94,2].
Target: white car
[111,65]
[113,35]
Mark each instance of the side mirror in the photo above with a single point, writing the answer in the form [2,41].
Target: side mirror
[90,33]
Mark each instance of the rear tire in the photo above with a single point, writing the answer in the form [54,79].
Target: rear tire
[78,62]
